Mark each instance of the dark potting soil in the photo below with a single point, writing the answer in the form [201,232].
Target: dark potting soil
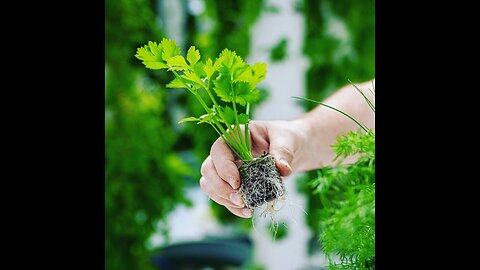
[261,182]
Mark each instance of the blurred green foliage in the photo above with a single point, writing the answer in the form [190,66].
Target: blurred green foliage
[339,43]
[144,177]
[279,51]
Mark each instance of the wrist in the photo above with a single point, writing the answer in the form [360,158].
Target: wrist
[303,130]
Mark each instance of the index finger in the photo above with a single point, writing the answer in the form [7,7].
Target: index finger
[224,162]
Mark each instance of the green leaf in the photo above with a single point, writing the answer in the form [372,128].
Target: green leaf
[192,77]
[177,63]
[206,118]
[245,92]
[193,55]
[244,74]
[151,56]
[259,72]
[231,62]
[170,49]
[156,49]
[223,88]
[176,83]
[210,67]
[228,115]
[199,69]
[155,65]
[189,119]
[243,119]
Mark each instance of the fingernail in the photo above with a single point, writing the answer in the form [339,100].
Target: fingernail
[236,199]
[284,162]
[233,182]
[247,212]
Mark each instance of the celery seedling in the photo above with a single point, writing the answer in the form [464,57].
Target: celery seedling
[233,81]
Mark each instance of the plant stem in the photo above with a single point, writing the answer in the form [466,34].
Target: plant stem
[328,106]
[237,125]
[247,134]
[364,96]
[226,141]
[217,108]
[229,138]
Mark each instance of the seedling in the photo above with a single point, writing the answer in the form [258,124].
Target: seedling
[229,79]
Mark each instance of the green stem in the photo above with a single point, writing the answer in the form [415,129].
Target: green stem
[237,125]
[247,134]
[217,108]
[232,141]
[353,119]
[226,141]
[364,96]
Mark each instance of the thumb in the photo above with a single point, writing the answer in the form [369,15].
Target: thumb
[281,150]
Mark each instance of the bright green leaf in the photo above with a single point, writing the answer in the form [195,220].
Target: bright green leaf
[259,72]
[176,83]
[170,49]
[193,77]
[211,67]
[149,54]
[193,55]
[177,63]
[231,62]
[189,119]
[208,68]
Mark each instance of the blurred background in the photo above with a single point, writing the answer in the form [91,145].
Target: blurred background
[156,216]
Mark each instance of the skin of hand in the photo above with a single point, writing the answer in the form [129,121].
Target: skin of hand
[297,145]
[220,176]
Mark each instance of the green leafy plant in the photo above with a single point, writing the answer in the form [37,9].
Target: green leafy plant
[279,50]
[229,79]
[346,195]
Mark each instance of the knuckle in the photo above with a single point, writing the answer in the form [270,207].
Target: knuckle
[206,165]
[203,184]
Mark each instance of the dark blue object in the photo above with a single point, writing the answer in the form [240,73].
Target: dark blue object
[216,253]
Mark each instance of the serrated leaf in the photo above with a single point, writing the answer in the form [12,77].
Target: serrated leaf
[189,119]
[222,87]
[156,50]
[177,63]
[193,77]
[231,62]
[154,65]
[244,75]
[208,68]
[150,59]
[245,92]
[176,83]
[170,49]
[228,115]
[243,119]
[259,72]
[199,69]
[193,55]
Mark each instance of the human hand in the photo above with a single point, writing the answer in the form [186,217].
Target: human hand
[220,180]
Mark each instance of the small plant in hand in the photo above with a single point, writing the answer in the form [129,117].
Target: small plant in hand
[228,79]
